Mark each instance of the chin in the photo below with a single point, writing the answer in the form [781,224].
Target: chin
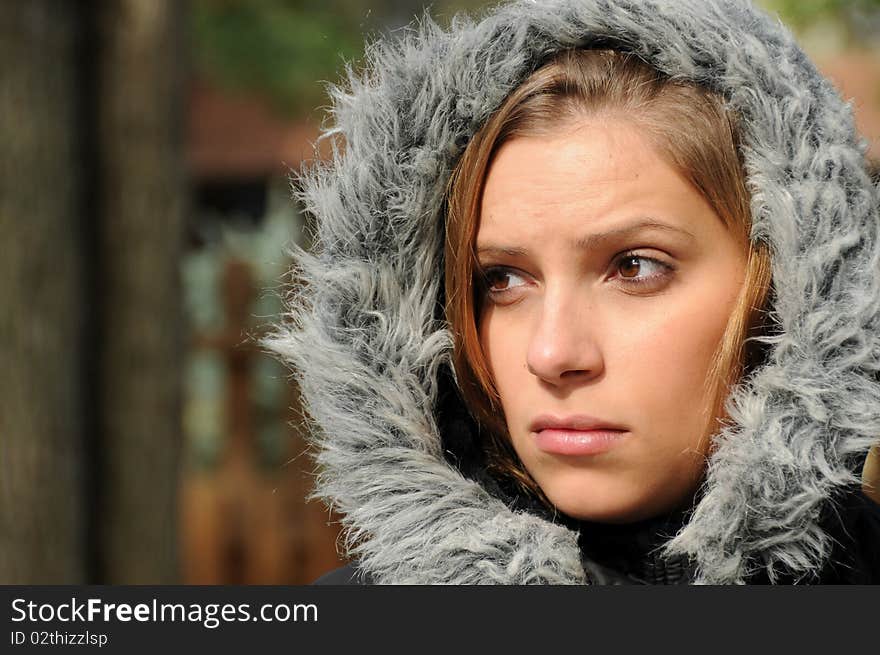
[614,491]
[603,514]
[610,503]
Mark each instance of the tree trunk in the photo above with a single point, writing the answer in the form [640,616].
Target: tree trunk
[142,207]
[42,296]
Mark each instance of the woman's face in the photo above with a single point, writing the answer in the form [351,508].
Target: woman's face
[610,283]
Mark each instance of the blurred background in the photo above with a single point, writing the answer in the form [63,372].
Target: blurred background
[144,207]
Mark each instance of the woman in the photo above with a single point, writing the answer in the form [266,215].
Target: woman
[594,299]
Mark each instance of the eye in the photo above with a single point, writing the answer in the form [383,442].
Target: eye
[633,267]
[499,280]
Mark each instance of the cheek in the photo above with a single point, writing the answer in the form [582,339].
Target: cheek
[504,344]
[668,354]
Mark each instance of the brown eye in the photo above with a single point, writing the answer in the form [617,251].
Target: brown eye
[499,280]
[629,266]
[636,269]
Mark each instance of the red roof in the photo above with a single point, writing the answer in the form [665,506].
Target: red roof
[239,135]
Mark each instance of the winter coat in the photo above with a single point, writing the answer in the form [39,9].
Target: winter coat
[368,344]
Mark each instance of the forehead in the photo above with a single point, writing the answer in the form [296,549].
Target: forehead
[596,174]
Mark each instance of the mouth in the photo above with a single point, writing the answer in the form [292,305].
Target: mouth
[578,434]
[560,441]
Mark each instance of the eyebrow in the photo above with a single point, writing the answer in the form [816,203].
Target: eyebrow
[591,241]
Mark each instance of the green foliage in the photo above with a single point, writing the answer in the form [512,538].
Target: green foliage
[280,49]
[859,19]
[805,12]
[286,49]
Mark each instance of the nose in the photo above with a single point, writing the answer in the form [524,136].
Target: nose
[563,346]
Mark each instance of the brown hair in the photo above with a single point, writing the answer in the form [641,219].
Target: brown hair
[687,124]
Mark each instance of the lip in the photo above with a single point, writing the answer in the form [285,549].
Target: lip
[580,422]
[578,434]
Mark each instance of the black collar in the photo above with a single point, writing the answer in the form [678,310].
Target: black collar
[630,553]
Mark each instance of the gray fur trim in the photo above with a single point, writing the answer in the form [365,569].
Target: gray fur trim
[363,342]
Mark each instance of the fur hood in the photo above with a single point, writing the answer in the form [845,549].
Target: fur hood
[365,337]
